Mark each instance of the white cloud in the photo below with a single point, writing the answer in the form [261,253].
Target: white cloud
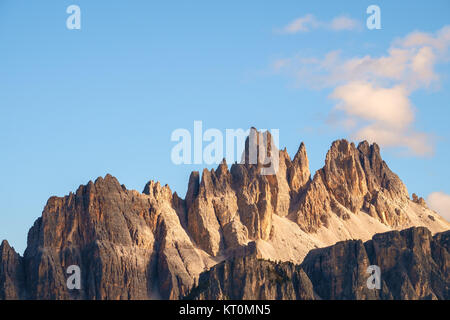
[373,93]
[309,22]
[302,24]
[389,106]
[440,202]
[387,115]
[417,143]
[439,41]
[344,23]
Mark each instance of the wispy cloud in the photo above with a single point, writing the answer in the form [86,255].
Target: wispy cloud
[440,202]
[302,24]
[373,93]
[309,22]
[344,23]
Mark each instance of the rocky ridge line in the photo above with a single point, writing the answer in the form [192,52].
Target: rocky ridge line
[132,245]
[414,265]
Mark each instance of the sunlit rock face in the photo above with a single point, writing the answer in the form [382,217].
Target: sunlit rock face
[353,179]
[155,244]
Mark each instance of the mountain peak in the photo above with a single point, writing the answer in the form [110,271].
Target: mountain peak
[155,243]
[4,246]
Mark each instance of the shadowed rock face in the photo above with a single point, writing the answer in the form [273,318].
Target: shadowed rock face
[132,245]
[12,282]
[245,277]
[414,265]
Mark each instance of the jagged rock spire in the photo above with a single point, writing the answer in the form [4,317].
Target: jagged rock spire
[155,244]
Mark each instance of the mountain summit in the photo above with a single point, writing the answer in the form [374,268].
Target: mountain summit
[154,244]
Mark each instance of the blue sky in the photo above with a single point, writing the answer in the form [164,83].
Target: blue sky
[77,104]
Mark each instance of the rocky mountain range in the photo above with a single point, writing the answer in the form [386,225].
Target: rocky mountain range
[239,234]
[415,265]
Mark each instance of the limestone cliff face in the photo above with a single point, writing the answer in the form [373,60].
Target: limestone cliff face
[154,244]
[12,282]
[128,245]
[298,173]
[352,180]
[413,265]
[228,208]
[214,211]
[245,277]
